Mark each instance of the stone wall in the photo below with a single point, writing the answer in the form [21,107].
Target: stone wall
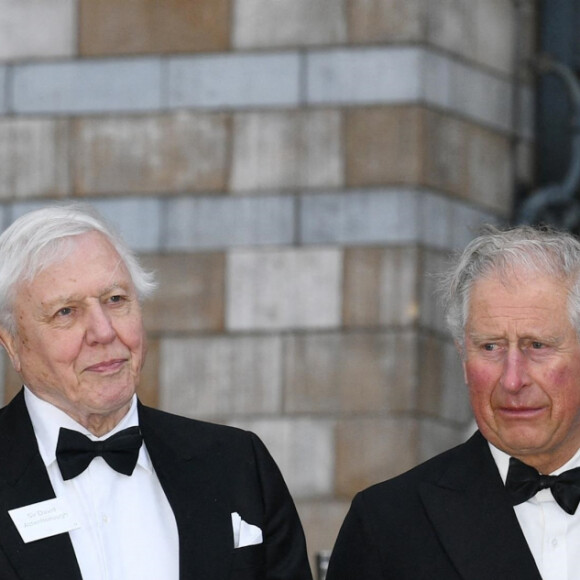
[295,171]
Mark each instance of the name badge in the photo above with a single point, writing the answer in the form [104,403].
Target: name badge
[44,519]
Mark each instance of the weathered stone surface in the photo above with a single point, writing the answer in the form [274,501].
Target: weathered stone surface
[366,216]
[364,76]
[190,296]
[234,81]
[263,23]
[146,154]
[321,520]
[148,389]
[283,289]
[110,27]
[480,30]
[350,373]
[226,221]
[372,449]
[34,158]
[384,145]
[289,149]
[83,87]
[385,20]
[37,29]
[221,376]
[442,393]
[381,286]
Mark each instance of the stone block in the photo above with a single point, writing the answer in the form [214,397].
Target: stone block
[451,25]
[431,315]
[359,217]
[490,170]
[110,27]
[221,376]
[12,380]
[496,23]
[383,145]
[222,222]
[381,286]
[303,448]
[442,393]
[3,89]
[372,449]
[79,87]
[468,220]
[290,149]
[385,20]
[321,520]
[138,220]
[34,158]
[350,373]
[473,93]
[166,153]
[283,289]
[190,296]
[436,437]
[468,160]
[258,23]
[37,29]
[446,145]
[363,76]
[226,81]
[148,389]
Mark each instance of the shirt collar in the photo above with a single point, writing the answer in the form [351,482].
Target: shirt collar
[48,419]
[502,460]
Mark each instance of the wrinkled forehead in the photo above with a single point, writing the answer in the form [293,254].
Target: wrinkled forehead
[59,250]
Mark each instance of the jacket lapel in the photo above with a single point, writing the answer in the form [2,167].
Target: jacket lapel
[24,481]
[192,487]
[470,496]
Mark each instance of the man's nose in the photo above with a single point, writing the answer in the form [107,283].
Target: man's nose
[514,375]
[99,325]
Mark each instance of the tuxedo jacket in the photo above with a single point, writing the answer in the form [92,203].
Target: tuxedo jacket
[447,519]
[207,472]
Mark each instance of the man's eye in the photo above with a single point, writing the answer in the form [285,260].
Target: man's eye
[64,311]
[116,298]
[536,344]
[489,346]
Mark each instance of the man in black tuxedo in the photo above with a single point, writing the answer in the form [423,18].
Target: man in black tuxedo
[503,504]
[93,484]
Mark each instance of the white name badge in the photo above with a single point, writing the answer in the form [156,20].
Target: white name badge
[44,519]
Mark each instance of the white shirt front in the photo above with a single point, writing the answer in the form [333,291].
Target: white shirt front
[128,529]
[552,534]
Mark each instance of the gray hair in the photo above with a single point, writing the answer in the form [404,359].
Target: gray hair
[505,253]
[42,237]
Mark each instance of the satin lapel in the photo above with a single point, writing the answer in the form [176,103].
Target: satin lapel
[475,521]
[192,487]
[24,481]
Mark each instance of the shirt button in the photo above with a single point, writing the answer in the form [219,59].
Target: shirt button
[106,520]
[555,542]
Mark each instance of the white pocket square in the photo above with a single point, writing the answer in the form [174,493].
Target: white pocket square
[245,534]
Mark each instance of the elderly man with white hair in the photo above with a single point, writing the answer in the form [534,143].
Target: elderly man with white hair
[93,484]
[502,506]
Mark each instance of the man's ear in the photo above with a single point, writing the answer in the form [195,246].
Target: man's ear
[8,341]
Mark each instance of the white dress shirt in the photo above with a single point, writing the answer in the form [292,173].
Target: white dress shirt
[552,534]
[128,529]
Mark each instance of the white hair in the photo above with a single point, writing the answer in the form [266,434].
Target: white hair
[505,253]
[42,237]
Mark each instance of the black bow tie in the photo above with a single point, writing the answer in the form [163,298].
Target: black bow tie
[75,451]
[523,482]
